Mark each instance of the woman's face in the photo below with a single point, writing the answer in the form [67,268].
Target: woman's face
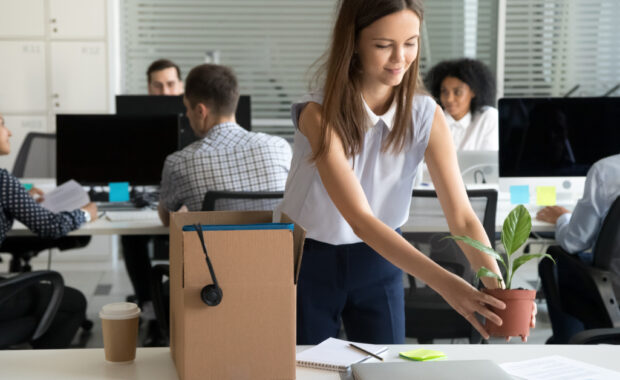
[455,97]
[387,48]
[5,145]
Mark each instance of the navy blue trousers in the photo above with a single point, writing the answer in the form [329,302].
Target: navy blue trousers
[350,284]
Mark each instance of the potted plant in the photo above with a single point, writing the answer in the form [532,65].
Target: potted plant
[519,302]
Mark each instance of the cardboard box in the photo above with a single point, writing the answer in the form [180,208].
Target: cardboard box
[251,333]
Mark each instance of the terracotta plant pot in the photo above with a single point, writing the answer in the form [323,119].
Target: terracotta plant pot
[516,316]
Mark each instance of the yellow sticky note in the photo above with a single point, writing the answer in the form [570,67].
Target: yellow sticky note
[422,354]
[545,195]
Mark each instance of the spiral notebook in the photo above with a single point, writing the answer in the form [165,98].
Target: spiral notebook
[336,355]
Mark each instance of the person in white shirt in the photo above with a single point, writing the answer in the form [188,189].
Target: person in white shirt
[577,232]
[357,146]
[465,89]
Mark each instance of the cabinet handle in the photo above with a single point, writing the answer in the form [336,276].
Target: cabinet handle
[53,21]
[57,104]
[55,96]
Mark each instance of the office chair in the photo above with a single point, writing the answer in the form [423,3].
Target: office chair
[213,201]
[597,336]
[427,315]
[36,159]
[29,327]
[589,295]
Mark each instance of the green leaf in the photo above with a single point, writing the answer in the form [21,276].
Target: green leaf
[527,257]
[478,245]
[517,227]
[484,272]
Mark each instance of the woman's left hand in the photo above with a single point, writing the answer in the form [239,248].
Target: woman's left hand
[37,194]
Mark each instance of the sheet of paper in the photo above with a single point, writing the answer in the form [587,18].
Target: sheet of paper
[519,195]
[545,196]
[558,367]
[66,197]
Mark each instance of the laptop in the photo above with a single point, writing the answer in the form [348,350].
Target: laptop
[436,370]
[478,165]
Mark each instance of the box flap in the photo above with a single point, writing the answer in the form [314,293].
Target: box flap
[180,219]
[299,235]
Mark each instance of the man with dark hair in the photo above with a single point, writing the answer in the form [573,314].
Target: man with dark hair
[227,157]
[164,78]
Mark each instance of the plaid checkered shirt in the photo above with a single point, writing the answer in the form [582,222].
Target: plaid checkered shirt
[229,158]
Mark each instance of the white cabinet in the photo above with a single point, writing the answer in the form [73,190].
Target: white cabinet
[22,18]
[20,126]
[22,73]
[77,18]
[79,77]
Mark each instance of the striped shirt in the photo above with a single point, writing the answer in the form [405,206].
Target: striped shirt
[229,158]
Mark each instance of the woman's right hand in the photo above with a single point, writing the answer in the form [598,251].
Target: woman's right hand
[468,301]
[91,208]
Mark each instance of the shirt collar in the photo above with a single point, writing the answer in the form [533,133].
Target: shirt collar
[387,117]
[462,123]
[218,129]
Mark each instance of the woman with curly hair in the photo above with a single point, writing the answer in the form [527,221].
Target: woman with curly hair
[465,89]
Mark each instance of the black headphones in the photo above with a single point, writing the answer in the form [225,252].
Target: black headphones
[210,294]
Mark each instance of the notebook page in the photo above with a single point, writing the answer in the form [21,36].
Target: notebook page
[335,354]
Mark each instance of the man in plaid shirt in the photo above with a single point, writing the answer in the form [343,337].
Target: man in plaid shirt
[227,157]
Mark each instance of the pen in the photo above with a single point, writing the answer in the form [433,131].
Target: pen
[364,351]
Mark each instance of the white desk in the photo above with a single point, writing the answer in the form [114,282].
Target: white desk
[104,226]
[156,363]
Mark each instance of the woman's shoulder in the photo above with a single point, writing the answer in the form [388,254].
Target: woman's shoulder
[486,115]
[311,103]
[4,175]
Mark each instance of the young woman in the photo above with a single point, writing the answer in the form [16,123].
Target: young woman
[17,203]
[357,147]
[465,88]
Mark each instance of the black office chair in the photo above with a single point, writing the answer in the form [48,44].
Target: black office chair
[427,315]
[27,328]
[213,201]
[597,336]
[36,159]
[599,307]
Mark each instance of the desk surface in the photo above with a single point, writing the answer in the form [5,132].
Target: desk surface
[156,363]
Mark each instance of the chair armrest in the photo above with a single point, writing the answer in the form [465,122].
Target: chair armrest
[13,285]
[597,336]
[598,279]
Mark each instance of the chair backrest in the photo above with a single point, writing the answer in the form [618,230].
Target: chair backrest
[607,246]
[36,157]
[445,252]
[241,200]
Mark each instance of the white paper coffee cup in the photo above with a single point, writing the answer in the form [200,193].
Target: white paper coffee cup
[119,323]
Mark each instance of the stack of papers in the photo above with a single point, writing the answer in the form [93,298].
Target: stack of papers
[66,197]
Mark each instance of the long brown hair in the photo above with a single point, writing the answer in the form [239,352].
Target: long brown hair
[343,110]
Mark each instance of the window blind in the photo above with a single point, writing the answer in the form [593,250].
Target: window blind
[270,44]
[554,45]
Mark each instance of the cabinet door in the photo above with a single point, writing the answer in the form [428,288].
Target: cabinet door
[23,18]
[77,18]
[20,126]
[79,77]
[22,73]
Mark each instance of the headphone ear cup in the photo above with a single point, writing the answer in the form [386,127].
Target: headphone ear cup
[211,295]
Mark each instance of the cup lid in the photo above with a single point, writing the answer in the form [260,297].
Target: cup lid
[119,310]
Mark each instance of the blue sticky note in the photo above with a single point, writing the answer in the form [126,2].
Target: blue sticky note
[519,195]
[119,191]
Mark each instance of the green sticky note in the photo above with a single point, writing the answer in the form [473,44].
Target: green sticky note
[27,186]
[422,354]
[545,195]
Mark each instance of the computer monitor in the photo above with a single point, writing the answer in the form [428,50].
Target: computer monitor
[95,150]
[163,105]
[554,141]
